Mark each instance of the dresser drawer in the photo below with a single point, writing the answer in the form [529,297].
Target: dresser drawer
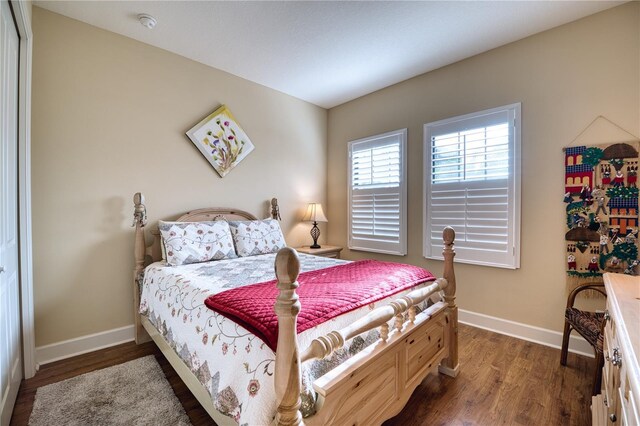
[610,371]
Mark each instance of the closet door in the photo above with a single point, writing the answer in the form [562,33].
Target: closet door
[10,340]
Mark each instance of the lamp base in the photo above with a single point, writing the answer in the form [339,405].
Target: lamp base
[315,233]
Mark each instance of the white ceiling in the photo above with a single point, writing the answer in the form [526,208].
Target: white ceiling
[324,52]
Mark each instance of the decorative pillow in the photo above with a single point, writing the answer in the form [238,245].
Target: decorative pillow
[193,242]
[257,237]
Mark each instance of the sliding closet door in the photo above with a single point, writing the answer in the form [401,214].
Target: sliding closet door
[10,355]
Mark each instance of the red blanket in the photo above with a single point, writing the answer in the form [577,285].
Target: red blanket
[324,294]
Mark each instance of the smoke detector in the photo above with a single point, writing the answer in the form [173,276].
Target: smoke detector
[147,20]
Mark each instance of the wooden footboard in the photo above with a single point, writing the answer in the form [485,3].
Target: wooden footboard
[375,384]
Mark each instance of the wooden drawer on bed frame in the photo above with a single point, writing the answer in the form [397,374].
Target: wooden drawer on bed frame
[380,379]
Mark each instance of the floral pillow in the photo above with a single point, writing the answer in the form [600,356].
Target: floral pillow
[193,242]
[257,237]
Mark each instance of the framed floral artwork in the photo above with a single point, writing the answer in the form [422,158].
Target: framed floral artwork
[221,140]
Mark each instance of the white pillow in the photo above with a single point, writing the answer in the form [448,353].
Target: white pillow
[193,242]
[255,237]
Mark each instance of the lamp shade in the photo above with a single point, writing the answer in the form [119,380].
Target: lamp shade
[314,213]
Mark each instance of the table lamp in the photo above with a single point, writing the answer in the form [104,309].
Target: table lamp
[315,214]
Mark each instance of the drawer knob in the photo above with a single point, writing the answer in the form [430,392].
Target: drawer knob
[613,418]
[607,317]
[616,359]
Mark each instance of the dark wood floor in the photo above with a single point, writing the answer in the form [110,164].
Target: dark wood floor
[502,381]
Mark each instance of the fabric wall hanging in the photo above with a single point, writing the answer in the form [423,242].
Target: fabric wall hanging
[221,140]
[601,199]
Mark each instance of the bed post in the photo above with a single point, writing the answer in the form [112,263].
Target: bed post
[449,365]
[287,370]
[139,252]
[275,209]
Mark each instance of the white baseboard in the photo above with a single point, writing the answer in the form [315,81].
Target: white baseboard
[93,342]
[525,332]
[81,345]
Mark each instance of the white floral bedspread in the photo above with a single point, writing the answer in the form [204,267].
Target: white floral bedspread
[235,366]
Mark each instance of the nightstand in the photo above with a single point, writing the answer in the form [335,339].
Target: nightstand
[324,251]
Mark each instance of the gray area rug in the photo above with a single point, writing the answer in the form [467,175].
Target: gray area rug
[133,393]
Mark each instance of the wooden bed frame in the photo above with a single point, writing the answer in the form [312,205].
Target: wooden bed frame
[372,386]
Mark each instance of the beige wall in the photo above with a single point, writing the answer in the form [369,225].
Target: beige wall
[109,117]
[564,78]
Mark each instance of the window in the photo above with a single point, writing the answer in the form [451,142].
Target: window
[378,193]
[472,183]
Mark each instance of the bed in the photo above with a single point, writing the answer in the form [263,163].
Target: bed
[357,368]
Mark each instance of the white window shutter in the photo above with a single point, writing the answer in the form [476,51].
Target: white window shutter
[472,183]
[377,193]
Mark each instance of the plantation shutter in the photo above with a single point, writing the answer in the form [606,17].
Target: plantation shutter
[471,178]
[377,192]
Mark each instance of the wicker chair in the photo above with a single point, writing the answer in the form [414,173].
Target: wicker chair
[590,325]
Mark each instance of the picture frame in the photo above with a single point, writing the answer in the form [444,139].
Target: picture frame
[221,140]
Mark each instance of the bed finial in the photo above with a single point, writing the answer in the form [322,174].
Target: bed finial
[448,235]
[275,209]
[140,210]
[287,370]
[449,365]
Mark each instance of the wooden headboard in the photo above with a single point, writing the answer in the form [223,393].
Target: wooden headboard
[146,254]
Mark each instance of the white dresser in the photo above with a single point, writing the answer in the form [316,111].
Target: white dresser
[619,401]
